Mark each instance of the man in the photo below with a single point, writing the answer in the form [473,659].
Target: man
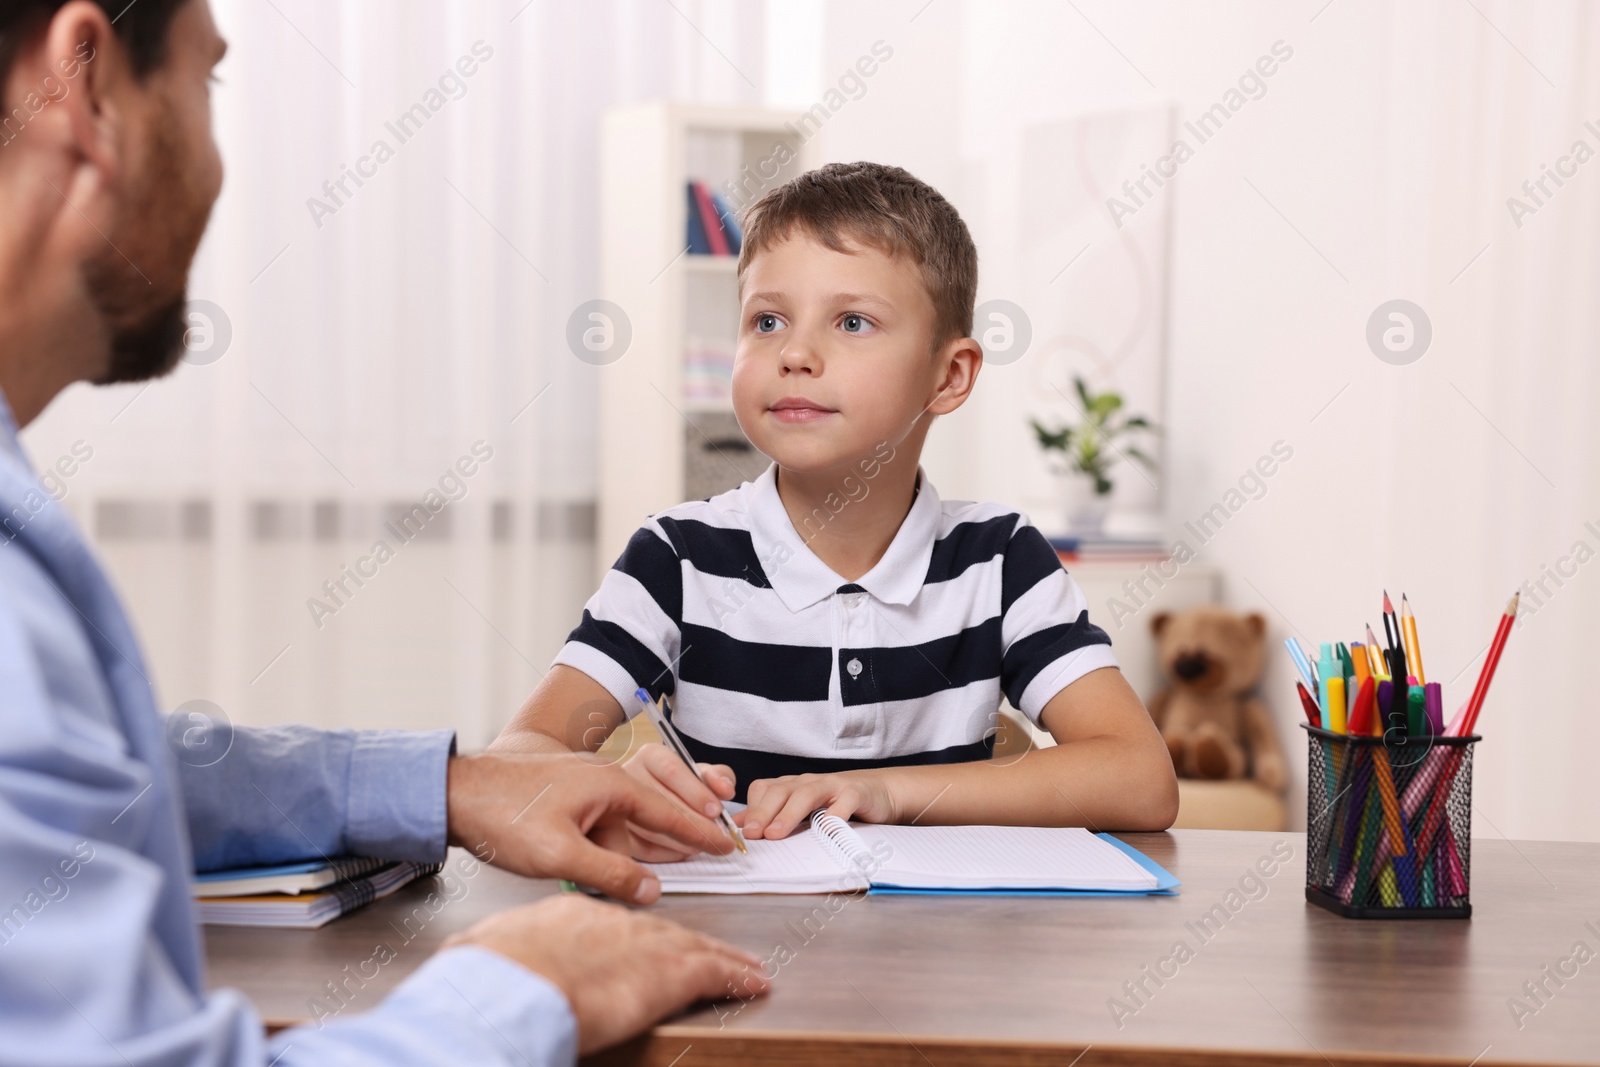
[108,172]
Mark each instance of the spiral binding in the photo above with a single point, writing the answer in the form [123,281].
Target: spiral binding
[836,832]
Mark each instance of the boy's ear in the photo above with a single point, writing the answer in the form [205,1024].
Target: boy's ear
[958,363]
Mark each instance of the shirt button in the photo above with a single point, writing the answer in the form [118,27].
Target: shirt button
[854,667]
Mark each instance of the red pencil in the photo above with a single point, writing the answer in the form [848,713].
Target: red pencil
[1487,675]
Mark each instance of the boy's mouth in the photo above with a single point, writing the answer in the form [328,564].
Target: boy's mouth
[799,409]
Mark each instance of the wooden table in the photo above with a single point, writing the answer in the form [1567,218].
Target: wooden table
[916,981]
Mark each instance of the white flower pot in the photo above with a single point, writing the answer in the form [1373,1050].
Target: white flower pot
[1085,510]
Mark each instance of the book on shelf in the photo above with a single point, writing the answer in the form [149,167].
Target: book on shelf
[299,908]
[1119,547]
[713,229]
[707,371]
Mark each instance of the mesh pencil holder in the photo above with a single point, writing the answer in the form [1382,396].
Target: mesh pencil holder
[1388,825]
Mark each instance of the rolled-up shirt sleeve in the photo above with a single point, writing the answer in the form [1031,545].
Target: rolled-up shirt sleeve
[284,793]
[89,972]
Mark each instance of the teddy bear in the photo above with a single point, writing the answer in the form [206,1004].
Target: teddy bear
[1212,723]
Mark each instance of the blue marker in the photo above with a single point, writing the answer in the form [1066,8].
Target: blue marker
[1327,668]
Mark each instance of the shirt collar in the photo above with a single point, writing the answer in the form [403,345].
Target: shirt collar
[801,579]
[8,431]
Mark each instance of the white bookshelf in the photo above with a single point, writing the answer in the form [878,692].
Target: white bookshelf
[666,435]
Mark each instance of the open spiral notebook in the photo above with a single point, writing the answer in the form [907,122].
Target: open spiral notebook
[835,856]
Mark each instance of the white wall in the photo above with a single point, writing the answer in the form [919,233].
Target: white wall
[1376,166]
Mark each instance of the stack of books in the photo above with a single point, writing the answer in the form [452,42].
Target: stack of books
[708,371]
[300,895]
[1111,548]
[713,229]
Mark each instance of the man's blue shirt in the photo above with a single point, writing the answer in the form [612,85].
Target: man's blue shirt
[101,959]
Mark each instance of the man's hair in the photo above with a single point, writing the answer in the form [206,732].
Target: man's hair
[141,26]
[884,208]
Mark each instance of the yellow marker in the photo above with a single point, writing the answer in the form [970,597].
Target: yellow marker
[1408,637]
[1335,710]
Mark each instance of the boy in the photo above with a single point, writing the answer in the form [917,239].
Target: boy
[833,634]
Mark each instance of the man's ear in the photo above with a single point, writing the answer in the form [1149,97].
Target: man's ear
[959,362]
[86,64]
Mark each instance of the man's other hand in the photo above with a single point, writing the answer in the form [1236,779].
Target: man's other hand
[620,970]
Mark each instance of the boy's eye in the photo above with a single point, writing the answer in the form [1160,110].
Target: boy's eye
[768,323]
[855,324]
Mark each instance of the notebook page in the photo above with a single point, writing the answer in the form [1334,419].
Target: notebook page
[800,863]
[996,857]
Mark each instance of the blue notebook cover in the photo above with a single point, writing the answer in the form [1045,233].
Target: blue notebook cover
[1166,884]
[235,873]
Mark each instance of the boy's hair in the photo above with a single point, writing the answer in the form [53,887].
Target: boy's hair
[883,207]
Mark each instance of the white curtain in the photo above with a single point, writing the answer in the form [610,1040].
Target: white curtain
[381,334]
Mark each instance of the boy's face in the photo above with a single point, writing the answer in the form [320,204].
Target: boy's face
[835,355]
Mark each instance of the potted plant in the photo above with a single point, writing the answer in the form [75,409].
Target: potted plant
[1083,454]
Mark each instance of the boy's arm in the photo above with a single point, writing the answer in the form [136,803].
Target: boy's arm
[567,712]
[570,712]
[1108,771]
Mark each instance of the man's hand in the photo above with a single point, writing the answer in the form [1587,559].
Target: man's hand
[567,816]
[620,970]
[659,768]
[779,806]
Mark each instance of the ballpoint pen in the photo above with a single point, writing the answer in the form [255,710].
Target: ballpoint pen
[669,735]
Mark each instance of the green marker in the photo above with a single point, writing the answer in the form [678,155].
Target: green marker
[1416,711]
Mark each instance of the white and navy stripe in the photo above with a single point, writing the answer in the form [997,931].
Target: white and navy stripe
[776,665]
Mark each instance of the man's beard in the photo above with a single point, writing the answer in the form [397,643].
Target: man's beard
[146,310]
[147,348]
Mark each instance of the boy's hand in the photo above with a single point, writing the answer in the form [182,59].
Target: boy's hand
[779,806]
[658,766]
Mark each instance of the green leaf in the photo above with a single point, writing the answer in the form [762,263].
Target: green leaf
[1083,393]
[1141,457]
[1105,404]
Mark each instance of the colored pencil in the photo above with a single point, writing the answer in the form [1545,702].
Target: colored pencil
[1408,631]
[1496,647]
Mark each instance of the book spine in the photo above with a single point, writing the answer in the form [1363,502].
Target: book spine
[730,223]
[699,243]
[715,237]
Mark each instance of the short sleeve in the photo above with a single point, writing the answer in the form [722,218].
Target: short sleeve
[629,636]
[1049,642]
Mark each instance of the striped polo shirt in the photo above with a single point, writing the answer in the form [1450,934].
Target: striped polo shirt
[776,665]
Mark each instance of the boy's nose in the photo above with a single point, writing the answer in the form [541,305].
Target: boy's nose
[797,357]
